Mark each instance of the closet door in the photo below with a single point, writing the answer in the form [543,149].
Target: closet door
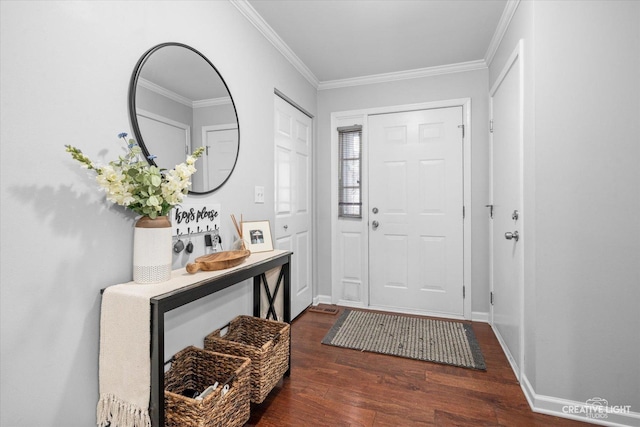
[292,228]
[507,237]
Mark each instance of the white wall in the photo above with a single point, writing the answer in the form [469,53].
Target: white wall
[472,84]
[582,192]
[588,199]
[65,69]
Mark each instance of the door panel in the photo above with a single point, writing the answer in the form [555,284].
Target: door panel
[173,138]
[507,256]
[416,183]
[292,228]
[220,156]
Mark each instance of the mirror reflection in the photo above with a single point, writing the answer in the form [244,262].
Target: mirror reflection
[178,102]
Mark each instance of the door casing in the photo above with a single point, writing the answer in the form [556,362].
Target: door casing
[358,294]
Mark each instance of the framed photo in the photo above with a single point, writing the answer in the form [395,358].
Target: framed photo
[257,236]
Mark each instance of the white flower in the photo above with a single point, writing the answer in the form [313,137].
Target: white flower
[133,183]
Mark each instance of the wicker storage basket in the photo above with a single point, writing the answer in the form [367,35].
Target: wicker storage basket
[196,369]
[265,342]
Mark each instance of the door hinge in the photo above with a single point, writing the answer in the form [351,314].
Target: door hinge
[464,213]
[491,298]
[464,293]
[462,126]
[491,125]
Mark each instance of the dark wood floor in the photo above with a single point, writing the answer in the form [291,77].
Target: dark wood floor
[332,386]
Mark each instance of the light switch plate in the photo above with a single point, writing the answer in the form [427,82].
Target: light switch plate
[259,194]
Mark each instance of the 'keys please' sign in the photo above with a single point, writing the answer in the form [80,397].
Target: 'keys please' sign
[195,218]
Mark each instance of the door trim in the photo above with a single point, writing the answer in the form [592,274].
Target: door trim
[517,55]
[292,103]
[363,115]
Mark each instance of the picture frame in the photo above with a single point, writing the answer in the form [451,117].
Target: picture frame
[257,236]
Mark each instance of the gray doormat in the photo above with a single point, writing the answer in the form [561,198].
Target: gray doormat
[447,342]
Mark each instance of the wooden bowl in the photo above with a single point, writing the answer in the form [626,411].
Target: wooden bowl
[218,261]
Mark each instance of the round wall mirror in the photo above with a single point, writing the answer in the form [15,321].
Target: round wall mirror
[178,102]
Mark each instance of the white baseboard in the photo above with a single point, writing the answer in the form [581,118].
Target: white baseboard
[480,316]
[618,416]
[322,299]
[351,304]
[507,353]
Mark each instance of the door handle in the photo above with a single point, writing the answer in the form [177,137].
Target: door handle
[509,235]
[375,225]
[286,226]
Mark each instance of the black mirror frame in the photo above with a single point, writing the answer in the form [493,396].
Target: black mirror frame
[133,83]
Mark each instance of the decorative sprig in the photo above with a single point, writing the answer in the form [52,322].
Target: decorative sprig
[135,184]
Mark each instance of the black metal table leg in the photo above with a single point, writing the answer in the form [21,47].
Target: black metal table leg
[256,296]
[270,298]
[156,405]
[285,271]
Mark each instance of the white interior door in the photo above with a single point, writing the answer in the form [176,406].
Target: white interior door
[416,259]
[292,229]
[171,139]
[506,184]
[221,142]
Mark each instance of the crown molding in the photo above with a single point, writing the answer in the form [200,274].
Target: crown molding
[164,92]
[213,102]
[501,29]
[404,75]
[181,99]
[265,29]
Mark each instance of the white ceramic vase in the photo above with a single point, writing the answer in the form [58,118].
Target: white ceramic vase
[152,254]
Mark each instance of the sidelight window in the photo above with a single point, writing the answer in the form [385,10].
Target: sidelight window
[350,171]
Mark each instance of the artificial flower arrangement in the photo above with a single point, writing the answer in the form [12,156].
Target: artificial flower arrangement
[139,186]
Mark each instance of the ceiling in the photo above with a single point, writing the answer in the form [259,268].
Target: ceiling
[339,40]
[183,75]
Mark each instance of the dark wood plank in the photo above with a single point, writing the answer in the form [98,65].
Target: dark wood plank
[331,386]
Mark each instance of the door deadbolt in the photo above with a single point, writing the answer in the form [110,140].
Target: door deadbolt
[509,235]
[374,210]
[515,215]
[375,225]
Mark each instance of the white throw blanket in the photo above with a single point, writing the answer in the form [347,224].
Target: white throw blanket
[124,356]
[125,371]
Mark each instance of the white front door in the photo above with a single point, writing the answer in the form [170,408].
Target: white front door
[292,228]
[506,184]
[416,260]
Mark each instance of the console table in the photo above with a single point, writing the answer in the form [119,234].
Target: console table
[191,287]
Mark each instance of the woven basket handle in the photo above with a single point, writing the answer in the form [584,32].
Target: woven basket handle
[227,327]
[229,380]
